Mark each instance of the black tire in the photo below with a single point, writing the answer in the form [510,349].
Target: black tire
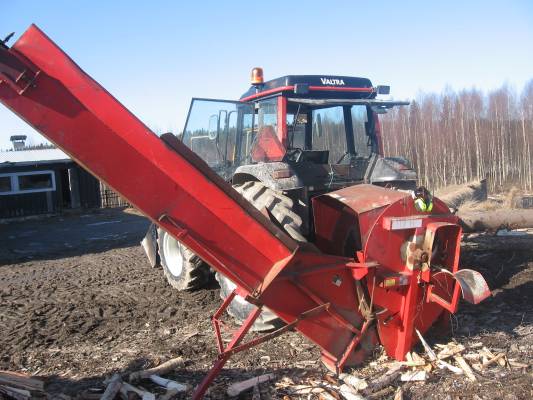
[280,208]
[183,269]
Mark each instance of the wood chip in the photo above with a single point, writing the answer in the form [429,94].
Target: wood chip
[465,367]
[236,388]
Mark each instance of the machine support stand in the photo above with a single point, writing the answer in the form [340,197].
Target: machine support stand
[224,353]
[234,346]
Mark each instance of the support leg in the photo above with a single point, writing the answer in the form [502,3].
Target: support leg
[219,364]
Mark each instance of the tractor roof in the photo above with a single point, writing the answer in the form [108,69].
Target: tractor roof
[313,86]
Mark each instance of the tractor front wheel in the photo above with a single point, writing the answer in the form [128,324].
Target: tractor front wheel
[183,269]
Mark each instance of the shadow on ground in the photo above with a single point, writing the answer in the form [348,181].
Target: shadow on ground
[56,237]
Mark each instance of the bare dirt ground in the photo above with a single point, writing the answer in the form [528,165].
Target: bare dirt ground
[78,302]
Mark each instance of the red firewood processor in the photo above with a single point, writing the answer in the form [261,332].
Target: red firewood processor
[285,193]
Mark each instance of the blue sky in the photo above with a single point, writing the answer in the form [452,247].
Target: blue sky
[155,55]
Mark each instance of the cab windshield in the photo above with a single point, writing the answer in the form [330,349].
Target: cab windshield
[345,131]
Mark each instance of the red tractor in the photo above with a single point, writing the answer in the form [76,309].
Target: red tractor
[284,142]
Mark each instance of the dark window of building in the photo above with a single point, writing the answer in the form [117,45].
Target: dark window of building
[36,181]
[5,184]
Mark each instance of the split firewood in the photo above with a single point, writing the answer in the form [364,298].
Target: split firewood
[478,367]
[493,360]
[331,379]
[239,387]
[413,376]
[399,394]
[306,389]
[428,368]
[450,351]
[162,369]
[113,388]
[413,363]
[384,380]
[465,367]
[15,393]
[354,381]
[416,358]
[443,364]
[126,387]
[349,393]
[472,356]
[168,383]
[516,364]
[431,354]
[501,360]
[23,381]
[327,396]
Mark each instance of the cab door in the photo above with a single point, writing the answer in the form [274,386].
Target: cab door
[214,131]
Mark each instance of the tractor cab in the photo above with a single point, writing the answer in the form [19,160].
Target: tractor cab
[299,131]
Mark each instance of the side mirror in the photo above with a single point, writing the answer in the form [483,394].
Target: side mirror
[213,127]
[383,89]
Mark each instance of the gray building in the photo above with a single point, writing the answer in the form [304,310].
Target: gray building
[40,181]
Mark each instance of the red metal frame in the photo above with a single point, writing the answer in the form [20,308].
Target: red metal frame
[280,89]
[317,293]
[282,120]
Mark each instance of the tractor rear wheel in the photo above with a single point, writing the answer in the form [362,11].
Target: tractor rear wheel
[279,208]
[183,269]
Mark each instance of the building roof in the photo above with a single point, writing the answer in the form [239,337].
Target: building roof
[31,157]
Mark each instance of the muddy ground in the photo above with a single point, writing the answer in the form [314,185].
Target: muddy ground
[78,302]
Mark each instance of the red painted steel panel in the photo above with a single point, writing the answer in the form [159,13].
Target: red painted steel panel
[82,118]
